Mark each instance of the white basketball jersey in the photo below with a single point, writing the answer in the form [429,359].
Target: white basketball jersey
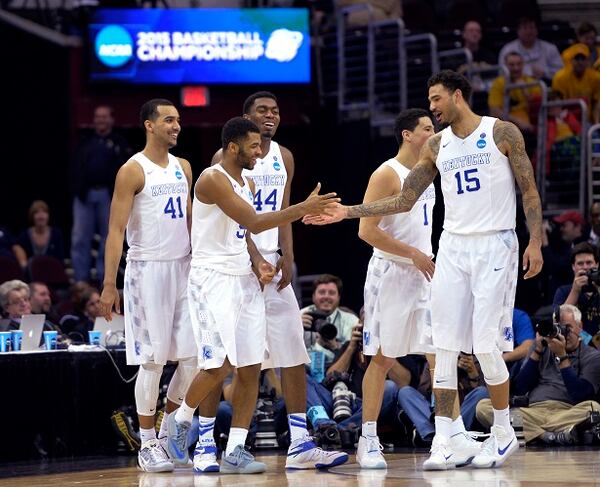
[219,242]
[269,176]
[157,228]
[477,182]
[413,227]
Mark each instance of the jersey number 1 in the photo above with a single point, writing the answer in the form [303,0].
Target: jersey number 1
[170,208]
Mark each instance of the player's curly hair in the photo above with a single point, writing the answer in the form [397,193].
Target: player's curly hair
[452,81]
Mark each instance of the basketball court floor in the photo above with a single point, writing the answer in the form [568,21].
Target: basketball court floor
[531,467]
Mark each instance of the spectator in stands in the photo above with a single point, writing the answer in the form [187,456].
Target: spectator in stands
[471,35]
[93,172]
[523,337]
[563,143]
[561,377]
[416,403]
[327,291]
[41,301]
[40,238]
[522,101]
[586,34]
[15,302]
[542,59]
[557,251]
[594,235]
[581,292]
[87,309]
[579,80]
[10,248]
[381,10]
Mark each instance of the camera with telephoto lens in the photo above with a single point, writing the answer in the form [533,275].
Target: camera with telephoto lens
[593,277]
[320,324]
[342,397]
[548,324]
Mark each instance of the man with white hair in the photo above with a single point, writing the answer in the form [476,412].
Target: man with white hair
[561,376]
[14,301]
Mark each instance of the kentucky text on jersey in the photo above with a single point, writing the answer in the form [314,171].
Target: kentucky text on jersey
[268,179]
[169,188]
[466,161]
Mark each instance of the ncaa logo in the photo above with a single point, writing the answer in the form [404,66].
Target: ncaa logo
[276,166]
[113,46]
[481,143]
[178,174]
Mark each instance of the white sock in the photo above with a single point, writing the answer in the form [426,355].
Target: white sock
[206,429]
[443,426]
[147,434]
[185,413]
[162,432]
[297,425]
[457,426]
[237,436]
[369,428]
[502,418]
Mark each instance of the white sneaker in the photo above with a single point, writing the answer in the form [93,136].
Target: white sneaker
[492,453]
[442,456]
[205,458]
[303,454]
[368,453]
[152,458]
[465,447]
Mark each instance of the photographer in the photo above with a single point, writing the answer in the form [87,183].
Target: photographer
[561,376]
[583,292]
[327,291]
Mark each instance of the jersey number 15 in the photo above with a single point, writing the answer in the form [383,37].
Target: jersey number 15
[471,181]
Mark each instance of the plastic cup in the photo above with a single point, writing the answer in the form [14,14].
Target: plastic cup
[50,338]
[95,337]
[5,341]
[16,337]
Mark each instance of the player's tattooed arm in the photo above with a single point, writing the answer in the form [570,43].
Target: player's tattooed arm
[419,178]
[510,141]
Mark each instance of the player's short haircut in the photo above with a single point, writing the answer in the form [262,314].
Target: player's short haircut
[255,96]
[583,248]
[236,130]
[408,120]
[149,110]
[326,279]
[452,81]
[586,28]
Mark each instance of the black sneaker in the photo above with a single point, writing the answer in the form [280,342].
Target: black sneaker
[124,428]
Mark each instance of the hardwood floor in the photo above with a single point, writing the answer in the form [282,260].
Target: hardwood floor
[559,467]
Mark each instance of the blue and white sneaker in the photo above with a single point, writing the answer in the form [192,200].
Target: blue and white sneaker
[496,449]
[177,440]
[304,454]
[205,458]
[442,456]
[368,454]
[241,460]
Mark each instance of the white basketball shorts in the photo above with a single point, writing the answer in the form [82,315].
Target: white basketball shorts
[228,318]
[473,292]
[397,317]
[157,320]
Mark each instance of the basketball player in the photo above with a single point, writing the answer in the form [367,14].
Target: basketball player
[272,176]
[476,269]
[151,200]
[226,302]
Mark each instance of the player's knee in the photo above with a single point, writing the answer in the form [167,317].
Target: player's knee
[383,362]
[181,380]
[445,374]
[146,388]
[493,367]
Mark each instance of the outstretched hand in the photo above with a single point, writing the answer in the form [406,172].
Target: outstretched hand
[316,203]
[334,213]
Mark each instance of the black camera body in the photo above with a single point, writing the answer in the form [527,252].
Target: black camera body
[548,325]
[320,325]
[593,277]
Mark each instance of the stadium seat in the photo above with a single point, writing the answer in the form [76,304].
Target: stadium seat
[48,270]
[9,269]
